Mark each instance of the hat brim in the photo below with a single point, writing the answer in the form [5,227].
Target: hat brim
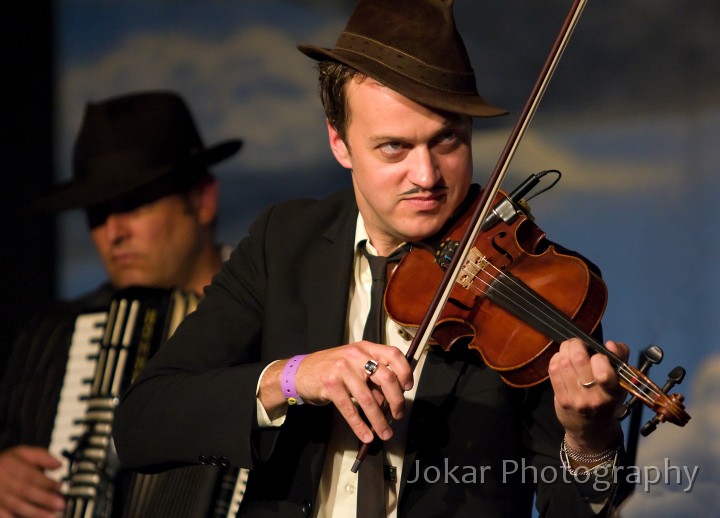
[82,193]
[221,151]
[470,104]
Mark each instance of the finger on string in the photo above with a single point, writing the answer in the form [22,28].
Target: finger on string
[619,349]
[582,370]
[557,378]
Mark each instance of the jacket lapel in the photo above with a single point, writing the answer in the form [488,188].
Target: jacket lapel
[327,311]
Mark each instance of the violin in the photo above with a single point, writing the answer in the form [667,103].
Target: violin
[516,298]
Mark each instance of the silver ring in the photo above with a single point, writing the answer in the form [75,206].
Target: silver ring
[370,367]
[589,383]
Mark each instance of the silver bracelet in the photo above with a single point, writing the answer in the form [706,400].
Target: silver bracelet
[608,465]
[590,458]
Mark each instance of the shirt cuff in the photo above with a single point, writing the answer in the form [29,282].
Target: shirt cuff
[265,420]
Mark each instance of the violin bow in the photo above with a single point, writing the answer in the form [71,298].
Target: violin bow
[424,331]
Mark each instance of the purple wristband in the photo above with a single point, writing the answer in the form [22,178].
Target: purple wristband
[287,380]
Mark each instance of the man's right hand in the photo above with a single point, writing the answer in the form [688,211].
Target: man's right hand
[25,490]
[337,376]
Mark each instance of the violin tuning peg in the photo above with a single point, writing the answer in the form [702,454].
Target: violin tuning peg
[624,410]
[651,355]
[649,427]
[676,376]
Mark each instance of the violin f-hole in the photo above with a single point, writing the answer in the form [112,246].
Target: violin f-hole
[496,244]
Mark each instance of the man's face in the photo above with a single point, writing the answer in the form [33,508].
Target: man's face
[154,244]
[411,166]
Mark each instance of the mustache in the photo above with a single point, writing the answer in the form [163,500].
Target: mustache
[416,190]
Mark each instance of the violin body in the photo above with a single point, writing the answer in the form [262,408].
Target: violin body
[511,270]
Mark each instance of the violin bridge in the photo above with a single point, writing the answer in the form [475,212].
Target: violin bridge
[475,263]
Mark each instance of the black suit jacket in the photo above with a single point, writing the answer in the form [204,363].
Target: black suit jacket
[283,292]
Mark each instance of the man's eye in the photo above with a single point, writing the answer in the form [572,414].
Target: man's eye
[447,142]
[447,137]
[392,148]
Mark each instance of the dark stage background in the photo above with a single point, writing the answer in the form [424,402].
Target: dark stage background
[28,239]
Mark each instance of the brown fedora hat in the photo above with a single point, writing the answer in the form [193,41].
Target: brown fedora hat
[413,47]
[130,143]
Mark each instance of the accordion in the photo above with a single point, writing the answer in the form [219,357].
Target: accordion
[108,350]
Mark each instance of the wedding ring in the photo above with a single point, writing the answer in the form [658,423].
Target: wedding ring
[370,367]
[589,383]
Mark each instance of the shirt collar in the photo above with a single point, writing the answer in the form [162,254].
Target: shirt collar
[361,235]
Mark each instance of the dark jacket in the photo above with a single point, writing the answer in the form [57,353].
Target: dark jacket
[283,292]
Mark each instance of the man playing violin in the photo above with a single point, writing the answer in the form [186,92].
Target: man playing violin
[272,373]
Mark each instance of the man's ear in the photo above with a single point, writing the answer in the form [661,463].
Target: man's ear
[205,197]
[338,146]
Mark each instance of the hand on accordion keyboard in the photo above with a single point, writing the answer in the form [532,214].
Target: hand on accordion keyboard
[25,490]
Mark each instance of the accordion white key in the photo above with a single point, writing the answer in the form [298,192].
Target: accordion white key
[69,420]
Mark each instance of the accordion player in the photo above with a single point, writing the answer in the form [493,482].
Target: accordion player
[107,349]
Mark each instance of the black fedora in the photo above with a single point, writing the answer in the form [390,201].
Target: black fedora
[413,47]
[130,144]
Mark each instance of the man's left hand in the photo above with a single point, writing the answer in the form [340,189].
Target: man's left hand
[587,394]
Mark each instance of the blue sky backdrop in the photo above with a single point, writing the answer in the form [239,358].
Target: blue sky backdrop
[631,118]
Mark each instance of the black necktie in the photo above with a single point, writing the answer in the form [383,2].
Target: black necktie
[371,476]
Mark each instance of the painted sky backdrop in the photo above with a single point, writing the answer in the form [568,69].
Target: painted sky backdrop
[631,118]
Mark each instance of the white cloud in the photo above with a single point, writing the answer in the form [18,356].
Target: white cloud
[697,444]
[584,169]
[254,84]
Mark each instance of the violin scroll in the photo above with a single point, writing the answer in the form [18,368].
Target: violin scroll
[668,407]
[675,377]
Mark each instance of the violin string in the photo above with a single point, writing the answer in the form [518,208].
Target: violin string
[564,328]
[560,327]
[540,306]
